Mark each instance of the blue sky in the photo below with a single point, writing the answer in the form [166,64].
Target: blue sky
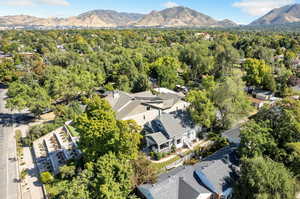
[241,11]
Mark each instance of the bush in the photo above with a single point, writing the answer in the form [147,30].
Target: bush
[144,170]
[46,177]
[18,136]
[24,173]
[68,112]
[191,161]
[158,156]
[152,155]
[38,131]
[67,172]
[173,148]
[218,144]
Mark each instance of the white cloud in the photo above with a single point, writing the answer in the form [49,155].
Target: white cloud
[260,7]
[54,2]
[170,4]
[17,3]
[34,2]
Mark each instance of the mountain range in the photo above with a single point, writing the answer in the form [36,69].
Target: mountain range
[283,15]
[180,17]
[170,17]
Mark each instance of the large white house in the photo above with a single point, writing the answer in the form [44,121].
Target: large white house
[145,106]
[170,130]
[163,115]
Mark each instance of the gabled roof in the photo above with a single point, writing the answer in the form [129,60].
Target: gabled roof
[118,99]
[126,105]
[158,138]
[145,94]
[182,183]
[174,125]
[186,191]
[218,174]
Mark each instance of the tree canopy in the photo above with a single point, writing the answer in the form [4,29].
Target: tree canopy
[265,179]
[101,133]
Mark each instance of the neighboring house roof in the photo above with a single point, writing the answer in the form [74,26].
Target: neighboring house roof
[158,138]
[126,105]
[131,108]
[182,182]
[186,191]
[145,94]
[233,135]
[171,125]
[117,99]
[262,92]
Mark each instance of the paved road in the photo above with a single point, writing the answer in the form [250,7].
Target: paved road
[9,188]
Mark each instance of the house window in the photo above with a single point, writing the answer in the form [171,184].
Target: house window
[148,108]
[179,141]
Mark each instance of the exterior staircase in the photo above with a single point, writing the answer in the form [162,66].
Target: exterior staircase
[188,144]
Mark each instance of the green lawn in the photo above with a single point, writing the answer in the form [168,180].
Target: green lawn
[73,131]
[161,166]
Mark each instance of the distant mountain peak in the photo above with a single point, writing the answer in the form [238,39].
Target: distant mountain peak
[283,15]
[179,16]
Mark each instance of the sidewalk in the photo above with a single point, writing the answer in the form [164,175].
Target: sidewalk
[31,187]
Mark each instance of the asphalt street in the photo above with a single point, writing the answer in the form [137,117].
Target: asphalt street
[8,165]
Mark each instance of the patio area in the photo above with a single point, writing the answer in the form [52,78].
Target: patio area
[55,149]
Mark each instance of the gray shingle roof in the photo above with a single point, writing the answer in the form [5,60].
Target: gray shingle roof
[233,135]
[176,124]
[214,167]
[186,191]
[129,109]
[125,104]
[158,138]
[118,99]
[172,125]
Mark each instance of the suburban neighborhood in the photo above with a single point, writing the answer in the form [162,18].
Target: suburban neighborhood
[110,100]
[167,127]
